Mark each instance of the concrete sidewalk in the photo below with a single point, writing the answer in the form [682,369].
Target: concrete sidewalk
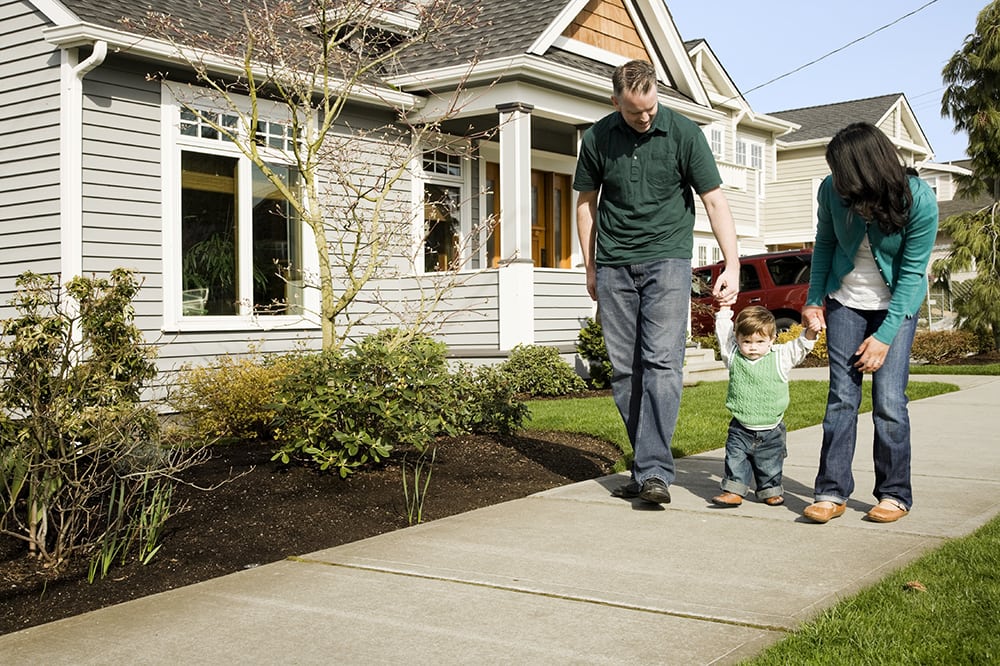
[570,575]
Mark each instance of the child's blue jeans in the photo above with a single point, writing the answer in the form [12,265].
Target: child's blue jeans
[754,455]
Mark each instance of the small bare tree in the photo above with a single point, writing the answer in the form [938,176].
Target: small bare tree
[313,60]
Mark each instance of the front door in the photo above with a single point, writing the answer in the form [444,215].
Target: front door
[551,218]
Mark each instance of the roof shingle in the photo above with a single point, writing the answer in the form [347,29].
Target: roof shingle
[822,122]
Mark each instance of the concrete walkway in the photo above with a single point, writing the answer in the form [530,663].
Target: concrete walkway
[570,575]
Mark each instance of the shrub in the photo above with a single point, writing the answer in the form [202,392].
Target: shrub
[819,349]
[537,370]
[939,346]
[232,399]
[590,345]
[487,403]
[82,468]
[392,389]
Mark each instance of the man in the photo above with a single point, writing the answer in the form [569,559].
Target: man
[635,215]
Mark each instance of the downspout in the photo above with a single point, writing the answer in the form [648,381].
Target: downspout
[71,157]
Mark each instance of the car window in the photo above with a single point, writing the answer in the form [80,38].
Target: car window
[789,270]
[749,281]
[701,283]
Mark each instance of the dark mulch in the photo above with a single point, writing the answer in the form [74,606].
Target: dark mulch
[268,512]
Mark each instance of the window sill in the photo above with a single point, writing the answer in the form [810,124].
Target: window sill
[208,324]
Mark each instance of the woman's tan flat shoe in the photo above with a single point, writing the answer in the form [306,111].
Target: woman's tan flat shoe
[886,511]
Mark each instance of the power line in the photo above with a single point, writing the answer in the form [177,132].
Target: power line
[838,50]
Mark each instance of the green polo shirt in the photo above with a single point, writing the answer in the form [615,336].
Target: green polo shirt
[646,209]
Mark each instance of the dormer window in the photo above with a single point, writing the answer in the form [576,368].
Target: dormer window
[371,27]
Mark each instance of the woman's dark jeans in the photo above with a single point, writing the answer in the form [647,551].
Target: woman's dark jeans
[846,329]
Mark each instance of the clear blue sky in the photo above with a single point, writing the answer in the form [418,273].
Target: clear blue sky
[759,41]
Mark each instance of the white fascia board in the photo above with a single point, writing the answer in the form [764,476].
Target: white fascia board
[812,143]
[920,149]
[494,70]
[55,11]
[944,167]
[770,123]
[554,30]
[586,86]
[82,34]
[483,100]
[672,47]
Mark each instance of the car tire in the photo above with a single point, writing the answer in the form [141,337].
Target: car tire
[784,323]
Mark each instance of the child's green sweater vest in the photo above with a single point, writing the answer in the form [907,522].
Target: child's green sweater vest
[758,396]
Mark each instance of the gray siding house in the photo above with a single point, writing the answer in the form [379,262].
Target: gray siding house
[97,152]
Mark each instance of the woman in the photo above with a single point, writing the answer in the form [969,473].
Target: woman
[877,222]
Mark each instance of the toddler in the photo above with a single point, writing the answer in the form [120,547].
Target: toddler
[757,399]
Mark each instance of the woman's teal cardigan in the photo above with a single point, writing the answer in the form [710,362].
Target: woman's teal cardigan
[901,257]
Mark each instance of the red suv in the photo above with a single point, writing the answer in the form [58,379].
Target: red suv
[778,281]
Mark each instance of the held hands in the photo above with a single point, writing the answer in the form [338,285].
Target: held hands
[813,318]
[727,287]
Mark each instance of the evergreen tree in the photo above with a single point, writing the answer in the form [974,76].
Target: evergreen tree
[972,79]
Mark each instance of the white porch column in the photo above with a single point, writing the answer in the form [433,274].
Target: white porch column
[516,275]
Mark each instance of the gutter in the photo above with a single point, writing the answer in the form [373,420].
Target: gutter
[70,36]
[71,75]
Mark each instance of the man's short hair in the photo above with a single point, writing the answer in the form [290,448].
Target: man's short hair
[636,76]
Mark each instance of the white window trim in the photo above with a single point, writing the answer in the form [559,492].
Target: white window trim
[748,146]
[463,182]
[709,129]
[172,142]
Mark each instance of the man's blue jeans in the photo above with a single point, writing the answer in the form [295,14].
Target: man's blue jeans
[644,313]
[755,455]
[846,329]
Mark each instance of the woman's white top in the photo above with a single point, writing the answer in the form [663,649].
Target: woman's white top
[864,288]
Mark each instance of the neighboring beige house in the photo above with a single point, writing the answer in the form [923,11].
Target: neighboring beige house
[745,144]
[790,217]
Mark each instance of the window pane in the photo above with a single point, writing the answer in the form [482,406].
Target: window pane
[441,227]
[741,153]
[748,278]
[277,247]
[208,234]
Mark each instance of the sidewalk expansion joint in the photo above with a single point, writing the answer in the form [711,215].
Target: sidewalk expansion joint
[549,595]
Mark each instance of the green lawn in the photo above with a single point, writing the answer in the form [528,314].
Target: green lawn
[988,369]
[941,609]
[703,419]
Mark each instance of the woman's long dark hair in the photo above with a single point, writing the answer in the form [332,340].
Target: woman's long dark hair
[868,175]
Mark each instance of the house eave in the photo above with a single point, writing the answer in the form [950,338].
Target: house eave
[86,34]
[821,142]
[584,84]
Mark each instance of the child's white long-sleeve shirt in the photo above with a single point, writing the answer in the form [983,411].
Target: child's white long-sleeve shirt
[790,354]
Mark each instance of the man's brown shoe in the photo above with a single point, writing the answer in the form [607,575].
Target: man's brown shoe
[824,512]
[727,499]
[777,500]
[886,511]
